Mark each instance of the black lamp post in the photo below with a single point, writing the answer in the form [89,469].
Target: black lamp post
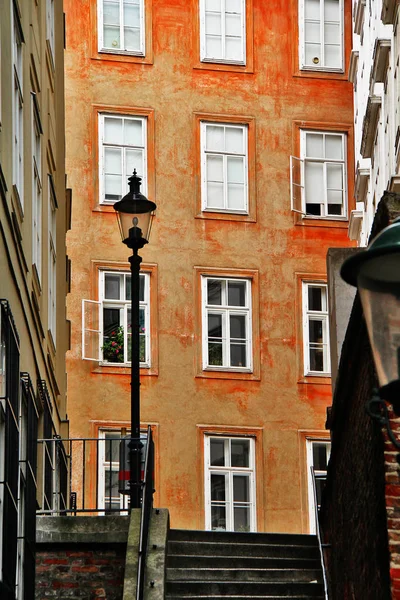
[376,274]
[134,213]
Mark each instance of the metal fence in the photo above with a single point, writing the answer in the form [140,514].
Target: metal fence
[84,475]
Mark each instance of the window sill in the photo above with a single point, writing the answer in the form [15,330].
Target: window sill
[339,222]
[104,369]
[322,379]
[226,216]
[227,374]
[222,66]
[123,56]
[339,75]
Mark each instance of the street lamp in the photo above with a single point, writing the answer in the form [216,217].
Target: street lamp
[376,273]
[134,213]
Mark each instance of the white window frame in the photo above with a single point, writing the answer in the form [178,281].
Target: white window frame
[229,472]
[114,50]
[225,155]
[37,206]
[302,45]
[96,333]
[298,186]
[318,474]
[314,315]
[52,246]
[104,467]
[18,112]
[50,27]
[203,33]
[226,311]
[125,174]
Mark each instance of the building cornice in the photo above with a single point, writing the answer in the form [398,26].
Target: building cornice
[359,16]
[370,124]
[380,61]
[353,68]
[389,11]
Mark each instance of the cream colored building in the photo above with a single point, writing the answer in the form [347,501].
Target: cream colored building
[34,333]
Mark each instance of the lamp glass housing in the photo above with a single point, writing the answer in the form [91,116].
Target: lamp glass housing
[378,282]
[141,220]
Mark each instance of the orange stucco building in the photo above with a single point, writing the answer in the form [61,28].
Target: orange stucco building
[208,100]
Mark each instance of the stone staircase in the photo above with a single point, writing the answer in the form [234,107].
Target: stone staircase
[210,564]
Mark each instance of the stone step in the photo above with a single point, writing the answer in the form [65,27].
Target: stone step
[224,548]
[296,597]
[256,562]
[294,539]
[235,574]
[245,588]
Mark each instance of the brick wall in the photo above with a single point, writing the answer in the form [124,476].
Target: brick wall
[87,573]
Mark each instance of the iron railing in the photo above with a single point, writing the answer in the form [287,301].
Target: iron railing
[321,545]
[146,509]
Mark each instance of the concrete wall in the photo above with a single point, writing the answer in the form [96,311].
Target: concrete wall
[276,404]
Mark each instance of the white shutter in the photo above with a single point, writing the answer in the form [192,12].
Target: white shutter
[91,331]
[296,184]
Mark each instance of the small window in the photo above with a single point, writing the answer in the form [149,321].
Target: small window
[17,112]
[321,35]
[52,248]
[230,484]
[318,177]
[318,452]
[224,168]
[122,149]
[227,324]
[223,31]
[111,331]
[316,329]
[121,26]
[36,189]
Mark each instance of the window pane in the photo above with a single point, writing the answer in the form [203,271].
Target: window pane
[316,360]
[313,54]
[113,187]
[213,5]
[218,518]
[234,141]
[238,326]
[111,37]
[113,161]
[132,39]
[112,130]
[112,286]
[214,292]
[141,288]
[320,459]
[112,446]
[314,145]
[233,25]
[134,160]
[235,169]
[133,132]
[217,488]
[240,452]
[215,168]
[314,183]
[215,326]
[111,13]
[213,24]
[213,49]
[215,195]
[332,34]
[111,483]
[238,355]
[312,32]
[233,6]
[217,453]
[314,298]
[236,198]
[333,57]
[215,138]
[241,517]
[128,287]
[334,147]
[315,328]
[334,176]
[241,488]
[312,9]
[215,354]
[332,10]
[236,293]
[233,48]
[131,15]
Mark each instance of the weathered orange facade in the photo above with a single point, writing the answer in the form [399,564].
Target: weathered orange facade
[274,404]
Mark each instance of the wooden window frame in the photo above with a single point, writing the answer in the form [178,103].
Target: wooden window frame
[152,270]
[128,112]
[326,127]
[228,372]
[121,55]
[249,122]
[198,63]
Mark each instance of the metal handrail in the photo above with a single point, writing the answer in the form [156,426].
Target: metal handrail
[146,508]
[319,537]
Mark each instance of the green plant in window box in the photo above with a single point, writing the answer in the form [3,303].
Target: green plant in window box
[113,348]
